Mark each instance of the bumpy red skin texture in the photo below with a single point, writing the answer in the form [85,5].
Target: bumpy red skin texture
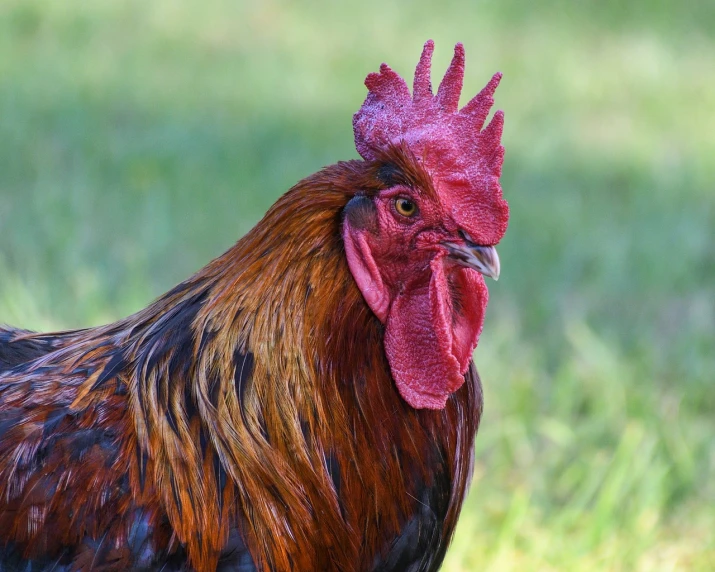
[429,352]
[463,159]
[432,309]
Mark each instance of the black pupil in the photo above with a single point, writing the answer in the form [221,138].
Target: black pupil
[406,205]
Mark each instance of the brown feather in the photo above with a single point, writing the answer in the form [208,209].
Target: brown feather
[230,403]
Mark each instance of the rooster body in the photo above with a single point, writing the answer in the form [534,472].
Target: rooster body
[253,417]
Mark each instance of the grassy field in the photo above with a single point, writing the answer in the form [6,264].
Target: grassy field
[138,140]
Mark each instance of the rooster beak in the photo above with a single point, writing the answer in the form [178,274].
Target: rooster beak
[484,259]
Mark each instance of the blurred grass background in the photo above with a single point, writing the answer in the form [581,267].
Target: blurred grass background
[138,140]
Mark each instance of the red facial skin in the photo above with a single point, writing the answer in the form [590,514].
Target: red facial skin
[432,308]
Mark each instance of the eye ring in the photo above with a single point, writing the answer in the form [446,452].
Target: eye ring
[405,207]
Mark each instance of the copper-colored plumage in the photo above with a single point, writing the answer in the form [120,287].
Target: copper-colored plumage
[246,420]
[180,434]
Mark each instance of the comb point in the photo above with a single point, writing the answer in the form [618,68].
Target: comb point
[491,136]
[478,107]
[451,87]
[422,85]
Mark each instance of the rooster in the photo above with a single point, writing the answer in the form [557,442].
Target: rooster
[307,401]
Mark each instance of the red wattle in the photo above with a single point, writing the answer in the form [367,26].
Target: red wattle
[430,337]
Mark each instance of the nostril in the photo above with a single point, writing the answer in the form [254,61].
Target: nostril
[465,237]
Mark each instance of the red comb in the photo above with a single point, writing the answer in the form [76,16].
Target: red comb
[390,112]
[448,140]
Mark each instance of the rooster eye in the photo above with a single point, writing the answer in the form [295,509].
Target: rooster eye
[405,207]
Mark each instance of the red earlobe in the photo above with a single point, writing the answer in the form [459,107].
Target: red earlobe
[365,272]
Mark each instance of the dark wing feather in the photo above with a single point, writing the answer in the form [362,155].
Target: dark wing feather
[74,492]
[66,465]
[20,346]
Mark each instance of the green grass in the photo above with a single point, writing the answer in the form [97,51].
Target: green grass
[139,140]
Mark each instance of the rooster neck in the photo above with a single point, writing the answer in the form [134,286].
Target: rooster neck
[307,417]
[248,410]
[262,383]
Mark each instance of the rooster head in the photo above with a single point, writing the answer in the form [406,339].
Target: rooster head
[419,248]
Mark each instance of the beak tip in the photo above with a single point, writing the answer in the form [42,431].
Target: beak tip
[492,264]
[483,259]
[497,268]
